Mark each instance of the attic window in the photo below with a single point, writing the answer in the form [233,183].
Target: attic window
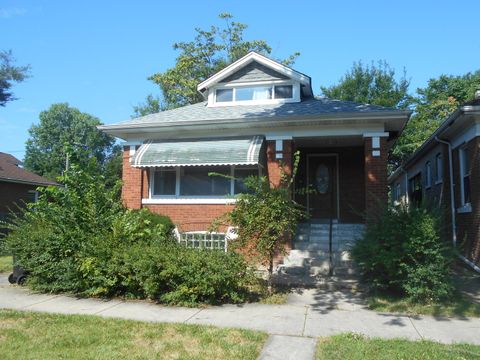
[254,93]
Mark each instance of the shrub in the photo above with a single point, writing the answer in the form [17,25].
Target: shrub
[405,253]
[79,239]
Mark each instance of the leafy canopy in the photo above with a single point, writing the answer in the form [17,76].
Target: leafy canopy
[434,104]
[9,73]
[210,51]
[65,130]
[371,84]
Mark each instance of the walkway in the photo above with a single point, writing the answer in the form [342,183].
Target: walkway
[309,314]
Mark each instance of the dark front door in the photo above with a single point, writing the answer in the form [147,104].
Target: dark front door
[322,182]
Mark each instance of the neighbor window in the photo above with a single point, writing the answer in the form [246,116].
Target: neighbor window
[192,181]
[428,174]
[254,93]
[415,189]
[465,176]
[438,168]
[397,192]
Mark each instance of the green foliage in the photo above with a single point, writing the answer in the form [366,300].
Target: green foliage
[9,74]
[64,132]
[405,253]
[371,84]
[152,105]
[80,239]
[210,51]
[265,216]
[433,105]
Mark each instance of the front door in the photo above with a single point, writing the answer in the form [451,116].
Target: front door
[322,199]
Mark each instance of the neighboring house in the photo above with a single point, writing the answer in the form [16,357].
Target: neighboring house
[256,114]
[17,185]
[445,171]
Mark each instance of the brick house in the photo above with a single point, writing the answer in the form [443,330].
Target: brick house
[445,172]
[17,185]
[256,114]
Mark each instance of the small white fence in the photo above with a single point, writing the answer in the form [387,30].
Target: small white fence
[203,240]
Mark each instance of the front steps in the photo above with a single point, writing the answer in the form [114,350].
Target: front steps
[308,263]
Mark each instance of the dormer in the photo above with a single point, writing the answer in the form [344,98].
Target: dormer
[253,80]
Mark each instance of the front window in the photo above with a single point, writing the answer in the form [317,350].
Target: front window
[196,181]
[200,181]
[465,176]
[254,93]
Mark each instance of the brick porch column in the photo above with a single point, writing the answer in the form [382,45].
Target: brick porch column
[132,181]
[376,185]
[279,152]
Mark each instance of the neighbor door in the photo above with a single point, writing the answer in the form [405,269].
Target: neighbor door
[322,198]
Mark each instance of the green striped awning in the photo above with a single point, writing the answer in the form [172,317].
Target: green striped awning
[201,152]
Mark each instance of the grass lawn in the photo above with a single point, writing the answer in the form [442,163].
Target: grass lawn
[352,346]
[29,335]
[5,264]
[461,306]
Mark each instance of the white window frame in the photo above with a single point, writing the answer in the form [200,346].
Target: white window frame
[194,199]
[428,174]
[465,207]
[438,175]
[212,97]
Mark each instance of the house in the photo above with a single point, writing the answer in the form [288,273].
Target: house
[445,171]
[17,185]
[256,114]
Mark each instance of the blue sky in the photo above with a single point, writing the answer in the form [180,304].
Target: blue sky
[97,55]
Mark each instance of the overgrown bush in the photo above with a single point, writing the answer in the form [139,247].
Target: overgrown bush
[405,253]
[79,239]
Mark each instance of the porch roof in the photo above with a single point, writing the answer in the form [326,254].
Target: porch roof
[199,152]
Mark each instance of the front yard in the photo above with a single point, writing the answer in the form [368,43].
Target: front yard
[353,347]
[29,335]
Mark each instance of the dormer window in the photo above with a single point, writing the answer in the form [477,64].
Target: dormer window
[254,94]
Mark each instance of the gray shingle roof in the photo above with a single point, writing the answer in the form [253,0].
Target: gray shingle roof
[307,108]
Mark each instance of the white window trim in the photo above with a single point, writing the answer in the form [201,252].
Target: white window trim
[197,199]
[212,101]
[465,206]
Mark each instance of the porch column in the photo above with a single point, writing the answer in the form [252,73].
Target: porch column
[132,180]
[279,154]
[376,185]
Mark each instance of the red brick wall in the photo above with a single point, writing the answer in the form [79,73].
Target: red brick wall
[191,217]
[468,224]
[274,164]
[132,182]
[376,185]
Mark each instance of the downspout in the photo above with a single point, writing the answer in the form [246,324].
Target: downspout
[452,194]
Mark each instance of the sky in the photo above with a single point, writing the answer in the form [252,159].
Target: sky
[97,55]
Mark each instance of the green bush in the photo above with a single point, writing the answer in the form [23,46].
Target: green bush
[79,239]
[405,253]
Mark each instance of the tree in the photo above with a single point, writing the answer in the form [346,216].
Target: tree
[264,217]
[371,84]
[152,105]
[210,51]
[9,74]
[433,104]
[64,135]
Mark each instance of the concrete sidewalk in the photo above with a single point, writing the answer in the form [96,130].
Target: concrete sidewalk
[308,314]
